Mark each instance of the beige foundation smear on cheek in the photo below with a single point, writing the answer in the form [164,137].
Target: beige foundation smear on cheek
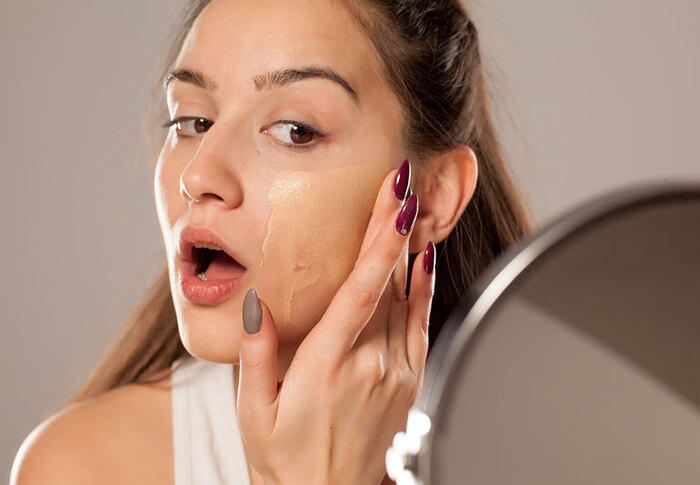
[314,236]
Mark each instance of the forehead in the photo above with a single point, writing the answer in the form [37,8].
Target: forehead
[233,40]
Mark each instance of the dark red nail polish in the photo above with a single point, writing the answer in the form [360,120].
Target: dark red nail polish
[429,258]
[402,180]
[407,215]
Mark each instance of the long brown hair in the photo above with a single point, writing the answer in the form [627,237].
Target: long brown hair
[431,58]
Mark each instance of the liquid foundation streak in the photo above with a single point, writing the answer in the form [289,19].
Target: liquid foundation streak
[315,230]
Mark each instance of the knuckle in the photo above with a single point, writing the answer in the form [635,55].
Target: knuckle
[370,370]
[403,383]
[373,367]
[364,295]
[254,362]
[257,356]
[420,351]
[423,324]
[369,375]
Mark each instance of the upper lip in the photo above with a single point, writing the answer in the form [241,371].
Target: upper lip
[192,235]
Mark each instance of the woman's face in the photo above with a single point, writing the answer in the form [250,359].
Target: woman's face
[294,132]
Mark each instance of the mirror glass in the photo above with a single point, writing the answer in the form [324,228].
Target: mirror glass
[587,368]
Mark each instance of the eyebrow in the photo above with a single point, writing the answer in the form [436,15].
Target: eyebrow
[191,76]
[268,80]
[283,77]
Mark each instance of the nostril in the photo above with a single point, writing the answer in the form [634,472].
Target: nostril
[212,195]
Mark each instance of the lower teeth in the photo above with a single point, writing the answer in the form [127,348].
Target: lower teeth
[202,276]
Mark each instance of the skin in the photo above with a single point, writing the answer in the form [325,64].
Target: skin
[354,336]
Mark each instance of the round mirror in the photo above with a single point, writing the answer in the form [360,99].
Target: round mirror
[576,361]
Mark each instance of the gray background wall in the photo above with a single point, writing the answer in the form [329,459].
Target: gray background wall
[592,96]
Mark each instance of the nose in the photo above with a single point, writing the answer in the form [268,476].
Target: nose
[210,174]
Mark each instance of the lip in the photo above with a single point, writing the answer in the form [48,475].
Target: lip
[192,235]
[198,291]
[208,292]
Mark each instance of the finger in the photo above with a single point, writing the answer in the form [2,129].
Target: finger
[420,302]
[356,300]
[257,381]
[390,197]
[398,310]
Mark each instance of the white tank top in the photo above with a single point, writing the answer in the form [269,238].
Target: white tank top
[207,442]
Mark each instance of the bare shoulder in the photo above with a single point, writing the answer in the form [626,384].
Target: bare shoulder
[121,436]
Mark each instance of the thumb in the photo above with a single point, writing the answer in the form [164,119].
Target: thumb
[257,381]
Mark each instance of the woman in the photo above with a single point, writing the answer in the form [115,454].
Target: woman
[282,189]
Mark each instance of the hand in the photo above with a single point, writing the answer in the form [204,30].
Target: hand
[354,377]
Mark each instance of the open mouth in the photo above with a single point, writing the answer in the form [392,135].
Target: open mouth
[211,263]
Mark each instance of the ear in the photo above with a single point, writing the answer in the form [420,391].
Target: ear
[444,184]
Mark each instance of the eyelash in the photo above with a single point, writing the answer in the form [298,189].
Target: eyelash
[306,146]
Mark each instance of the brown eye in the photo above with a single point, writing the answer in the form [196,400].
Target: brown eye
[201,125]
[292,133]
[300,135]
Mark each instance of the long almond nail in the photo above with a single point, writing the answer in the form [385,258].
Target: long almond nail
[252,315]
[407,215]
[429,258]
[402,180]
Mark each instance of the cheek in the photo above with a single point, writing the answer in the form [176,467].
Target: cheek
[315,231]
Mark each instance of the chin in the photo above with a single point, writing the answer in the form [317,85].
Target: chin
[210,333]
[211,350]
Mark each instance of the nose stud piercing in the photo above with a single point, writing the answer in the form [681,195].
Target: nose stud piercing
[185,194]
